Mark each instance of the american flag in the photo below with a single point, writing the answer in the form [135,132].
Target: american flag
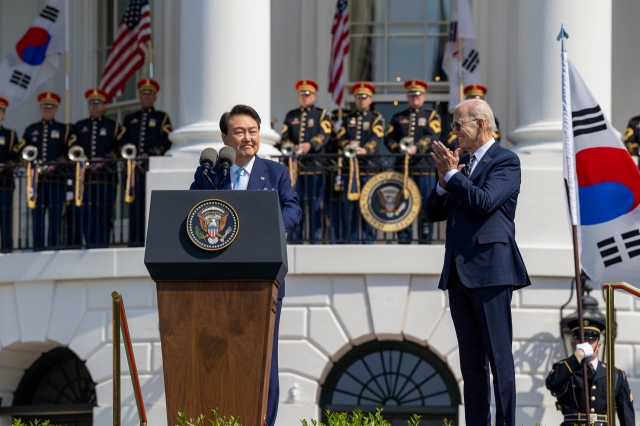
[339,48]
[128,50]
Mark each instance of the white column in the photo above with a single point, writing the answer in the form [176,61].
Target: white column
[541,219]
[225,59]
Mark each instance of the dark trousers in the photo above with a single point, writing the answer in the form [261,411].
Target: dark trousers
[354,226]
[6,219]
[274,381]
[51,203]
[309,189]
[482,319]
[425,229]
[136,211]
[97,214]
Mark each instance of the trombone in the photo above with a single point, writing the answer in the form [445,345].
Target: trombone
[406,144]
[76,153]
[30,155]
[129,152]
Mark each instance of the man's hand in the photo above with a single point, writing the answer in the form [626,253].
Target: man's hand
[50,169]
[303,148]
[583,351]
[413,150]
[361,151]
[445,160]
[143,155]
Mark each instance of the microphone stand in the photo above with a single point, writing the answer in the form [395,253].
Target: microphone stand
[205,172]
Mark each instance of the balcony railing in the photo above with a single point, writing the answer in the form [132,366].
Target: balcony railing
[55,221]
[330,218]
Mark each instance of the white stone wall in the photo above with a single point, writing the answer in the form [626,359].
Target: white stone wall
[337,297]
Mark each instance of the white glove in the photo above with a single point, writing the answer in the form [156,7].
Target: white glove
[587,349]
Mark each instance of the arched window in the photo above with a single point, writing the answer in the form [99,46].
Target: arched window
[400,376]
[58,387]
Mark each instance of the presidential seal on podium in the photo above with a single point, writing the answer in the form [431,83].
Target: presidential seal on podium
[212,224]
[387,205]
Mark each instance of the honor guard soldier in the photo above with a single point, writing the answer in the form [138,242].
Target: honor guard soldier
[8,160]
[52,140]
[632,136]
[474,91]
[98,136]
[148,131]
[566,381]
[361,133]
[422,126]
[305,132]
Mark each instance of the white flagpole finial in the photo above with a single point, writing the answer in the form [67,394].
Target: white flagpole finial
[562,36]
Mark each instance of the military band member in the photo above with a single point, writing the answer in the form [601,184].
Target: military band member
[632,136]
[52,139]
[98,137]
[8,160]
[361,131]
[474,91]
[148,130]
[423,126]
[566,382]
[308,129]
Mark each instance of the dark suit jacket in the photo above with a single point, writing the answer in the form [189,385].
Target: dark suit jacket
[480,216]
[265,175]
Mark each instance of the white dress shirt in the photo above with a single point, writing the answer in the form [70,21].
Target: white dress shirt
[244,180]
[478,154]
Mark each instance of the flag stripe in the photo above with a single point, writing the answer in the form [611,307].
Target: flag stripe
[613,261]
[588,130]
[606,242]
[609,252]
[340,42]
[596,119]
[128,50]
[632,244]
[634,253]
[630,234]
[586,111]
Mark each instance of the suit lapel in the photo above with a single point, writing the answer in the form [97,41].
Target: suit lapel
[486,159]
[259,175]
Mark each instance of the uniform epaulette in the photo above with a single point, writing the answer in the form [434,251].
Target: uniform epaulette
[34,123]
[637,117]
[292,110]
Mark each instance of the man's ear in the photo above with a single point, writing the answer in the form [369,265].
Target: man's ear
[224,138]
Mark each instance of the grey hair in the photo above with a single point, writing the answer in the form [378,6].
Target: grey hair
[478,108]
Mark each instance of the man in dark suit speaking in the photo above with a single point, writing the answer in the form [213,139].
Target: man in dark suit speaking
[477,196]
[241,131]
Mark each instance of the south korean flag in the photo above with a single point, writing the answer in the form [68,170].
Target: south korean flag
[461,59]
[604,186]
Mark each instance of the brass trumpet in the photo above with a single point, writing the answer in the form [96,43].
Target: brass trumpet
[29,153]
[287,149]
[406,143]
[129,151]
[350,151]
[76,153]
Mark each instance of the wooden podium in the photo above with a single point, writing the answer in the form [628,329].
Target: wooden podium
[217,308]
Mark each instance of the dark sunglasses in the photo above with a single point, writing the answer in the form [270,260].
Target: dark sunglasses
[456,125]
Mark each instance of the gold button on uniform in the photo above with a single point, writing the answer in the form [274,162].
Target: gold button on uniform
[593,410]
[593,398]
[593,387]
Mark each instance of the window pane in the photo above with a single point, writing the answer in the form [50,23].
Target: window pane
[406,10]
[439,10]
[366,57]
[435,52]
[366,11]
[406,58]
[412,29]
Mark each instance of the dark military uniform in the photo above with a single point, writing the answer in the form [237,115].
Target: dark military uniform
[53,140]
[99,139]
[9,159]
[565,381]
[367,129]
[424,126]
[147,129]
[314,126]
[632,136]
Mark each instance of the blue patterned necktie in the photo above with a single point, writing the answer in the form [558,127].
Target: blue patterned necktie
[469,165]
[238,185]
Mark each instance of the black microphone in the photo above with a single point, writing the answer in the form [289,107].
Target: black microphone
[208,159]
[227,159]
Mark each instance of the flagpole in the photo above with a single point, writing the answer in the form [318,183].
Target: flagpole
[460,86]
[572,201]
[66,62]
[150,44]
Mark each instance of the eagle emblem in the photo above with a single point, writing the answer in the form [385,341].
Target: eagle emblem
[391,198]
[212,224]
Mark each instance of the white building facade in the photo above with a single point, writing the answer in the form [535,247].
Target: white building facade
[343,303]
